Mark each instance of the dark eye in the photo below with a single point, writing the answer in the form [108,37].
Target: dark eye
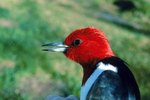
[77,42]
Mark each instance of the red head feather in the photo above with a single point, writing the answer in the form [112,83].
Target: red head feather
[87,45]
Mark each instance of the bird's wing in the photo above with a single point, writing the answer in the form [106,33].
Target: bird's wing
[115,85]
[108,86]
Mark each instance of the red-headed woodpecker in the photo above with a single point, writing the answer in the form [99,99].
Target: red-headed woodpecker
[105,76]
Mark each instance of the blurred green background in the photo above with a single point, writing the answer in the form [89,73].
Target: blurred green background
[28,73]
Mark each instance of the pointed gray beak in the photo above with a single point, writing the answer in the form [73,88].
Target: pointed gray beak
[55,47]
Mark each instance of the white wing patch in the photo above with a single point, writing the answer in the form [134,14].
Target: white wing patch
[104,67]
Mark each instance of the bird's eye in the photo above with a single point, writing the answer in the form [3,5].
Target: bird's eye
[77,42]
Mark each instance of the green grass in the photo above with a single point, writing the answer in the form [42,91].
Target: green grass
[28,73]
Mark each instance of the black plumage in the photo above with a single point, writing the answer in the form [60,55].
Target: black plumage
[115,86]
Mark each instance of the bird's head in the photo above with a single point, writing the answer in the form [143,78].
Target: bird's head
[84,46]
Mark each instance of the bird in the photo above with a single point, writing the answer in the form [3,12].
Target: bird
[105,76]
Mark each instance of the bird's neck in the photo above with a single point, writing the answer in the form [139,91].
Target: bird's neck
[88,69]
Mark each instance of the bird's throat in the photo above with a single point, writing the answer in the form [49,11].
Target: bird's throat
[88,69]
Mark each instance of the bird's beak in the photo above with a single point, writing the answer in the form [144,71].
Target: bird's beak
[55,47]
